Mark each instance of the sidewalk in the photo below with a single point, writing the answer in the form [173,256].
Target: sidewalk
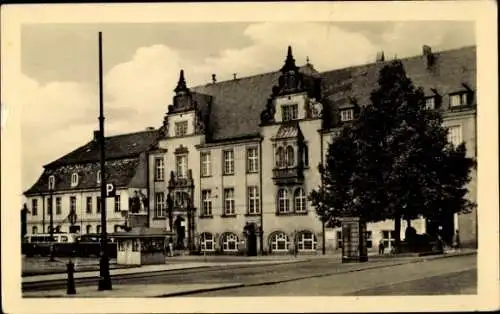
[148,269]
[169,290]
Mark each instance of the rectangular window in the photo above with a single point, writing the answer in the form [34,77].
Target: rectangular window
[88,208]
[181,166]
[228,162]
[49,205]
[430,103]
[181,128]
[206,198]
[458,100]
[159,169]
[58,206]
[160,206]
[455,134]
[339,239]
[253,200]
[290,112]
[117,204]
[305,155]
[98,204]
[252,160]
[206,164]
[72,204]
[34,207]
[229,202]
[369,242]
[98,228]
[388,238]
[346,115]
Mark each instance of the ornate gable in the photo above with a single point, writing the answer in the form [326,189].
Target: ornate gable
[186,101]
[294,81]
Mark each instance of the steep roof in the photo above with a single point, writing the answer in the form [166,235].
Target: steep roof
[118,146]
[237,104]
[118,171]
[451,69]
[125,164]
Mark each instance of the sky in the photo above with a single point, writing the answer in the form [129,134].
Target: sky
[59,64]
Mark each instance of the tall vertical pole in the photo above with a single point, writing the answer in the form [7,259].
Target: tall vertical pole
[105,279]
[51,217]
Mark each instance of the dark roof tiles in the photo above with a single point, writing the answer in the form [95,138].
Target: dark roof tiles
[237,104]
[119,171]
[118,146]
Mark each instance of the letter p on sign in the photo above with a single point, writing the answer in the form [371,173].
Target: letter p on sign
[110,190]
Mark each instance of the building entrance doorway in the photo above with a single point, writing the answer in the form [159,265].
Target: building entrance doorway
[180,231]
[251,233]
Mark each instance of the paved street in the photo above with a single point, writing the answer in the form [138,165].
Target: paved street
[314,277]
[454,275]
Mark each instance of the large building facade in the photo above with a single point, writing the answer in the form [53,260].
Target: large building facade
[232,165]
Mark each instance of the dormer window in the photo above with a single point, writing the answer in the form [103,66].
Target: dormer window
[459,99]
[74,179]
[289,112]
[346,115]
[430,103]
[52,182]
[181,128]
[98,176]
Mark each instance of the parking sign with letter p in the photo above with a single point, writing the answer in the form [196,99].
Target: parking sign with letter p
[110,190]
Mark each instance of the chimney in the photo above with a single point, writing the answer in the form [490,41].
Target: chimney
[214,79]
[234,76]
[96,135]
[380,57]
[428,55]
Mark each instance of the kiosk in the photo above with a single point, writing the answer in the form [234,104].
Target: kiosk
[141,246]
[353,240]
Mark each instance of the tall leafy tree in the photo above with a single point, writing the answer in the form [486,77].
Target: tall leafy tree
[394,161]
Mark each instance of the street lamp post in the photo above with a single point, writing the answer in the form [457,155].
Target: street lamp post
[51,222]
[105,278]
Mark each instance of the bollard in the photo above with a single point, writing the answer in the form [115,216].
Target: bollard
[70,284]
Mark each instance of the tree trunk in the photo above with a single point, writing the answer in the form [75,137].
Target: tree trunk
[408,223]
[397,231]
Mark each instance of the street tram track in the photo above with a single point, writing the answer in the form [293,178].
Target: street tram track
[61,283]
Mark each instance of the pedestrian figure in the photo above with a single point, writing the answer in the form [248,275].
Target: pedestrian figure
[170,247]
[381,247]
[456,240]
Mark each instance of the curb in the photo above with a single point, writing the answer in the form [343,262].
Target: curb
[268,283]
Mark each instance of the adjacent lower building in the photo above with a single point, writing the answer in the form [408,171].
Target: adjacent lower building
[71,185]
[232,165]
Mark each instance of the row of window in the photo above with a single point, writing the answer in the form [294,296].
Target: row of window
[72,205]
[278,242]
[456,100]
[88,229]
[288,201]
[74,180]
[286,157]
[181,164]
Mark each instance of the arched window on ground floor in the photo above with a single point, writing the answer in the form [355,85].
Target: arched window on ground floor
[279,242]
[306,241]
[229,242]
[207,242]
